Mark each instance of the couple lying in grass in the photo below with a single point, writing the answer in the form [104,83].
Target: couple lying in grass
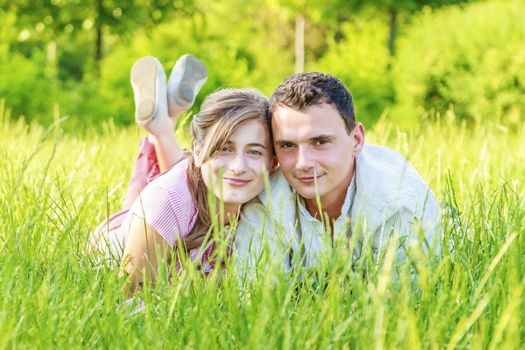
[325,184]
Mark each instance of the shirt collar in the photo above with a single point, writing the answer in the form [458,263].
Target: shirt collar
[345,210]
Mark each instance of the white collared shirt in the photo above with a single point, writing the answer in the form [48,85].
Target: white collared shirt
[386,196]
[316,235]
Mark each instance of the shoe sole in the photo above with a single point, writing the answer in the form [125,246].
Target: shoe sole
[193,71]
[144,75]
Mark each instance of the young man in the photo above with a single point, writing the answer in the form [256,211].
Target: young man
[331,186]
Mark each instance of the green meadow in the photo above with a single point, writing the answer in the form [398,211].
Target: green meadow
[55,188]
[446,91]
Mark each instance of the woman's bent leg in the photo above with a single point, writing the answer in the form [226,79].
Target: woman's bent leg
[146,168]
[108,237]
[168,150]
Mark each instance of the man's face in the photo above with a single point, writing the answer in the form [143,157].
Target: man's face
[315,151]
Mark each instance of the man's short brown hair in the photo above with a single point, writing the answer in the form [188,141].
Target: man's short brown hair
[303,90]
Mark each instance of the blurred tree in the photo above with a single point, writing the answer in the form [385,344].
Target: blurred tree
[360,59]
[468,60]
[53,18]
[394,9]
[316,21]
[302,12]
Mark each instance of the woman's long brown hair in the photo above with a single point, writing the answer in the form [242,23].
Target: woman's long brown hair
[221,114]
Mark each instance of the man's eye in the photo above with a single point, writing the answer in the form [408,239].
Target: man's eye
[321,142]
[286,145]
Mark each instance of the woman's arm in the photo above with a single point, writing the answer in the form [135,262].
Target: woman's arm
[145,249]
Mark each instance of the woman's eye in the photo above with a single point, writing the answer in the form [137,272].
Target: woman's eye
[255,153]
[226,150]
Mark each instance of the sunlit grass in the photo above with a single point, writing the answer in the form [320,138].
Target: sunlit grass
[56,187]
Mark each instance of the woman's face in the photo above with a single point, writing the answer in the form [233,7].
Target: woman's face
[235,173]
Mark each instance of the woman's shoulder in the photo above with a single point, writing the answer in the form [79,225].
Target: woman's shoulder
[169,193]
[167,205]
[174,182]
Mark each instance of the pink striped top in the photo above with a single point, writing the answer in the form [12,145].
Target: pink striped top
[167,206]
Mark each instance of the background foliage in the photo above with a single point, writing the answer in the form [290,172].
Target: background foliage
[410,59]
[471,60]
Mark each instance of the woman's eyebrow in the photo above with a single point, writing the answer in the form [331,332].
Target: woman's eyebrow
[255,144]
[282,142]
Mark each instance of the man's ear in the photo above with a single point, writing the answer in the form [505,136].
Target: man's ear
[275,165]
[358,139]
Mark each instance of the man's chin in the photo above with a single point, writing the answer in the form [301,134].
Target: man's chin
[307,193]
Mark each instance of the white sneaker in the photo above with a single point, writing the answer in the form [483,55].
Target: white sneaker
[149,88]
[186,79]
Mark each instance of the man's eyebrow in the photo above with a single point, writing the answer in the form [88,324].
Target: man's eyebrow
[322,137]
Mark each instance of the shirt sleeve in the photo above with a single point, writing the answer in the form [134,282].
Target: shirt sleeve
[259,242]
[168,213]
[406,229]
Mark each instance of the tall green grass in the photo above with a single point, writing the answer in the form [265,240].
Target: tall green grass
[55,188]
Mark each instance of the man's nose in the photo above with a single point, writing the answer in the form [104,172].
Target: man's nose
[305,160]
[238,164]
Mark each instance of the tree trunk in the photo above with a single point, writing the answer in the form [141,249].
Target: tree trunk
[98,51]
[393,32]
[299,43]
[339,35]
[98,37]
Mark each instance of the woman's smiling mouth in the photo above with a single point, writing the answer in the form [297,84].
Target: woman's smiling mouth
[235,182]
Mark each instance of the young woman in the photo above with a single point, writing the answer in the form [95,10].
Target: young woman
[230,157]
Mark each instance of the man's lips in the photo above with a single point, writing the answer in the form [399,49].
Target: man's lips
[235,182]
[308,179]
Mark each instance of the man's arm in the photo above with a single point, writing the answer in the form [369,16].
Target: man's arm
[407,229]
